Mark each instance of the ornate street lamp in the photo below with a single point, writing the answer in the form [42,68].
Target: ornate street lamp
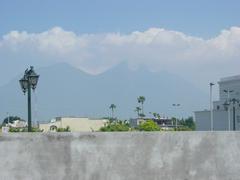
[29,81]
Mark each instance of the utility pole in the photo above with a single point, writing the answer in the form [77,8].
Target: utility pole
[211,109]
[176,123]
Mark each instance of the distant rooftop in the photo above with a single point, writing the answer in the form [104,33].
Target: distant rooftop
[230,78]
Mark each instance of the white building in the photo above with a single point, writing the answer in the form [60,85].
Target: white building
[220,112]
[76,124]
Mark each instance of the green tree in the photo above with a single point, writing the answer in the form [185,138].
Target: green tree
[149,125]
[189,122]
[112,107]
[156,115]
[138,109]
[141,100]
[112,126]
[185,124]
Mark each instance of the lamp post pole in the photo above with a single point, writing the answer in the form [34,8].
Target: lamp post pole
[29,108]
[211,109]
[234,101]
[176,123]
[28,82]
[234,121]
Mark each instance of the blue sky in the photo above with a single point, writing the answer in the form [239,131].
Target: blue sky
[196,40]
[181,37]
[202,18]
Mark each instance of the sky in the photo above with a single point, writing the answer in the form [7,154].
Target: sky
[205,18]
[198,40]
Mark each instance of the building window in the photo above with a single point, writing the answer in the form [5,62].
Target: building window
[218,107]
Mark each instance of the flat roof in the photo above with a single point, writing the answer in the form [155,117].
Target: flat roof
[230,78]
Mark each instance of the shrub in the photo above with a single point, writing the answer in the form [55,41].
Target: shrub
[115,126]
[67,129]
[149,125]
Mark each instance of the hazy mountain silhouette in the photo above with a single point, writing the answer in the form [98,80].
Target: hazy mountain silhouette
[66,91]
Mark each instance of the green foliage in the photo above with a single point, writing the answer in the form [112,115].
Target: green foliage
[112,106]
[183,128]
[189,122]
[11,129]
[141,99]
[34,129]
[149,125]
[156,115]
[138,109]
[185,124]
[115,126]
[67,129]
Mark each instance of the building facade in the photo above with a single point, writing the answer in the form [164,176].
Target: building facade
[223,109]
[76,124]
[163,123]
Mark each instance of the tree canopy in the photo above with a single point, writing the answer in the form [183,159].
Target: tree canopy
[115,126]
[149,125]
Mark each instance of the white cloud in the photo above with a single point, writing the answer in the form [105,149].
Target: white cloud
[158,49]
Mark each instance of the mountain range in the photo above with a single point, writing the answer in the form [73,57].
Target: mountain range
[66,91]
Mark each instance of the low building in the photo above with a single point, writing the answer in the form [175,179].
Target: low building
[76,124]
[163,123]
[229,88]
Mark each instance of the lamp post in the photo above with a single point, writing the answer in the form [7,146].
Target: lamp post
[228,98]
[234,101]
[29,81]
[211,109]
[176,123]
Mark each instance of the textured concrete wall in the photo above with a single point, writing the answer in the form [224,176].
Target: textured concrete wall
[117,156]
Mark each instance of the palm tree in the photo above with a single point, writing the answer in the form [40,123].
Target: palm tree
[138,109]
[154,115]
[141,100]
[112,107]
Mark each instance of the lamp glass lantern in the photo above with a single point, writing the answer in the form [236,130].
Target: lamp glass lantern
[24,84]
[33,79]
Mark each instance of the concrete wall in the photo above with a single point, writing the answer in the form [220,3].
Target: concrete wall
[120,156]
